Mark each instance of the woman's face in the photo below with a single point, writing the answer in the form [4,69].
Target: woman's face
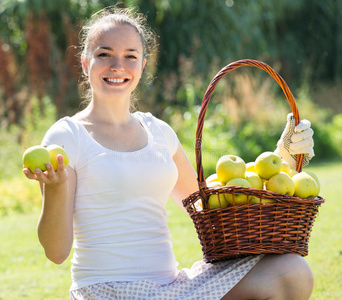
[114,62]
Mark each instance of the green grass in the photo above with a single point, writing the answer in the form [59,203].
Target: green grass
[26,274]
[325,248]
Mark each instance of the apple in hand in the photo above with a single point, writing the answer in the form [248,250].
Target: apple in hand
[237,199]
[36,157]
[267,164]
[54,150]
[281,183]
[305,186]
[229,167]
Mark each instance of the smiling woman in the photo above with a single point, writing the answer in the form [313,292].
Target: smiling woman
[110,201]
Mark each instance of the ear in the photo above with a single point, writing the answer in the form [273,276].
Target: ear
[84,65]
[143,65]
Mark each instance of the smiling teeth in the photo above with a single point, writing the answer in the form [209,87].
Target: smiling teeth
[115,80]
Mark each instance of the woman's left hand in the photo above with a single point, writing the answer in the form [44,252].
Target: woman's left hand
[296,140]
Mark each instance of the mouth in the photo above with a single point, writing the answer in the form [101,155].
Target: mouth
[115,81]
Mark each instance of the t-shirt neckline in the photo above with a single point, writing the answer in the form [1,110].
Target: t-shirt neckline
[137,116]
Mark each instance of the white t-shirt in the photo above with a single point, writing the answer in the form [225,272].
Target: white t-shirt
[120,222]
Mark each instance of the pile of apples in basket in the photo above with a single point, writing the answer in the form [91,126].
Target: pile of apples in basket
[268,172]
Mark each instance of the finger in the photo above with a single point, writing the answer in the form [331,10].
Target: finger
[29,174]
[289,128]
[40,176]
[291,123]
[303,125]
[302,146]
[60,163]
[300,136]
[50,171]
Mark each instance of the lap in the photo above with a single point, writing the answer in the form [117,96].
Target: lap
[203,281]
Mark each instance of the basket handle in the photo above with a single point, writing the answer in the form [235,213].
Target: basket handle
[232,66]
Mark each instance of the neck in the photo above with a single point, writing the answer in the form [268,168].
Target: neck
[109,111]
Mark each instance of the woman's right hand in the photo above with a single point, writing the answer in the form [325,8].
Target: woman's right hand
[50,176]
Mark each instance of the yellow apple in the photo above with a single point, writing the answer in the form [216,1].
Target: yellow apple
[217,201]
[237,199]
[214,184]
[54,150]
[229,167]
[36,157]
[305,185]
[293,172]
[314,176]
[257,200]
[281,183]
[254,200]
[255,180]
[250,166]
[285,167]
[267,164]
[212,177]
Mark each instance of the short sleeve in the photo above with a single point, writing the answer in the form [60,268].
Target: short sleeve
[64,133]
[170,136]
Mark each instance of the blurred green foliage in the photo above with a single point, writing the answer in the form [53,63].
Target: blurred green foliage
[247,113]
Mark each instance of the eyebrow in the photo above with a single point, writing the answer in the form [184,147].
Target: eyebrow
[111,49]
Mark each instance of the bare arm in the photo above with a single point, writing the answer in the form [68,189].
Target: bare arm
[55,225]
[187,178]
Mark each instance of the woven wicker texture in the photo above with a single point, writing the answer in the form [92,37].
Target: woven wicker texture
[283,226]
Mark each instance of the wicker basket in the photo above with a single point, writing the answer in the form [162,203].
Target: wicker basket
[283,226]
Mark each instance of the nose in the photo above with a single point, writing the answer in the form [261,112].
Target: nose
[117,66]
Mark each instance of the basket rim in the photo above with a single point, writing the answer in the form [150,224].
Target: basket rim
[265,194]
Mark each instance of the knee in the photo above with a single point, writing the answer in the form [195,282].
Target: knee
[297,279]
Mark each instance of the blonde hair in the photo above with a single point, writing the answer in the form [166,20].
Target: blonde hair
[118,16]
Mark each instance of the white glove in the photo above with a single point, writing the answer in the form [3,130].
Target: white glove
[296,140]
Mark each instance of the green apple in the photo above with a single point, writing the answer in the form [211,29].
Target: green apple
[54,150]
[229,167]
[217,201]
[255,180]
[293,172]
[314,176]
[267,164]
[281,183]
[285,167]
[36,157]
[237,199]
[250,166]
[212,177]
[305,185]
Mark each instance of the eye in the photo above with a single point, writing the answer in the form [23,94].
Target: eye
[103,54]
[131,56]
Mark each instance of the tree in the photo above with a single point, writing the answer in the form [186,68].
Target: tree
[39,46]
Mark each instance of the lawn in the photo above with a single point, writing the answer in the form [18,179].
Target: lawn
[26,274]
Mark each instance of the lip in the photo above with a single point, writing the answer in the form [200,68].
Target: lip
[115,80]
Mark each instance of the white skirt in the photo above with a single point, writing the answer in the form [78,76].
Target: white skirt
[203,281]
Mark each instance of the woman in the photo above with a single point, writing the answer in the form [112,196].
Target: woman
[111,197]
